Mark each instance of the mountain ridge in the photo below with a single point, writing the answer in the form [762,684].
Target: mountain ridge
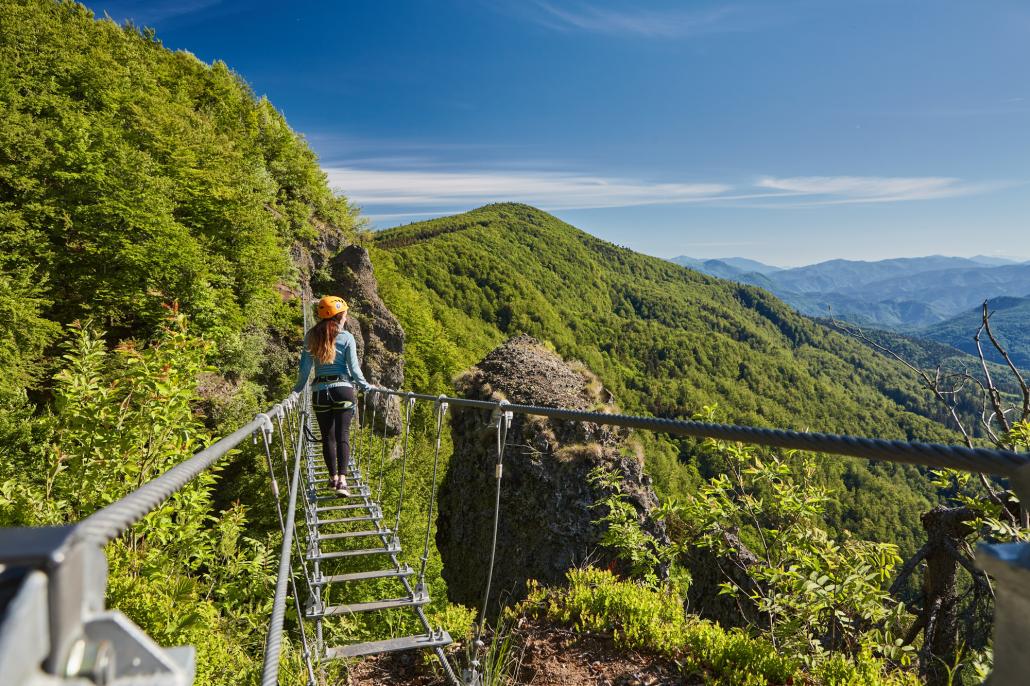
[904,294]
[741,264]
[664,340]
[1009,322]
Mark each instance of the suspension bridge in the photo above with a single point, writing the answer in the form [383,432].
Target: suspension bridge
[56,629]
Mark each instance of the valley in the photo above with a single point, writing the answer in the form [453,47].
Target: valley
[666,341]
[902,294]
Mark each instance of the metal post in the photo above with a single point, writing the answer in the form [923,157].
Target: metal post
[56,626]
[1009,565]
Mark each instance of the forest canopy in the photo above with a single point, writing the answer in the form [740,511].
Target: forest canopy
[133,177]
[155,219]
[667,341]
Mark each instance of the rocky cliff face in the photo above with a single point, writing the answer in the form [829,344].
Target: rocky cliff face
[548,504]
[312,256]
[709,570]
[377,332]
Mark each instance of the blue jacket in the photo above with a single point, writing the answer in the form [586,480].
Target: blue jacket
[345,366]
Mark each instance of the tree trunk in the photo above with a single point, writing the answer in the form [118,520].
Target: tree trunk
[945,529]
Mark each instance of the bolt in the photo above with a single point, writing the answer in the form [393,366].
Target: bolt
[92,660]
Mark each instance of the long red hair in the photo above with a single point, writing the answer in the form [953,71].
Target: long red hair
[321,339]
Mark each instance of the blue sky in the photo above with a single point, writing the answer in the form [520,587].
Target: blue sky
[790,131]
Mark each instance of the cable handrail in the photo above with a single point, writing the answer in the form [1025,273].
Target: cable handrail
[935,455]
[110,522]
[273,641]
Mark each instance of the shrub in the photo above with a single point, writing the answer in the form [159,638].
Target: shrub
[643,618]
[814,593]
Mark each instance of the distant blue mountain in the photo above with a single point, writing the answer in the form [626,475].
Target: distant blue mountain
[739,264]
[993,261]
[842,275]
[746,265]
[902,294]
[1010,322]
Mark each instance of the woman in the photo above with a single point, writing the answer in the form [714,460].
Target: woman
[333,353]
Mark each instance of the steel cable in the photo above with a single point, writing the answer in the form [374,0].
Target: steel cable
[441,409]
[991,460]
[312,681]
[273,643]
[408,404]
[382,457]
[370,434]
[296,534]
[110,522]
[282,526]
[503,424]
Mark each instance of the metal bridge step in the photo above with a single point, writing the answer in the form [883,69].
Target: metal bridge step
[373,606]
[392,645]
[346,520]
[325,489]
[354,534]
[346,472]
[361,576]
[360,493]
[354,506]
[332,555]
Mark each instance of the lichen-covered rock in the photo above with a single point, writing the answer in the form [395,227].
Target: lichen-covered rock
[548,505]
[709,570]
[379,336]
[313,255]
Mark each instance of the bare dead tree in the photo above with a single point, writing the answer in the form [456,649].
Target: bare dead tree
[949,387]
[1000,411]
[940,607]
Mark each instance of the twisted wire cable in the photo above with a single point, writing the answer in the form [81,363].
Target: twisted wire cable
[109,523]
[441,409]
[991,460]
[273,643]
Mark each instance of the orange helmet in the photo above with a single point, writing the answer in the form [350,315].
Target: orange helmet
[330,306]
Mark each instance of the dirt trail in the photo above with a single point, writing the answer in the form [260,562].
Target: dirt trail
[550,656]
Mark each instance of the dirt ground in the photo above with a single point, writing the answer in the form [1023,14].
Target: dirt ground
[547,655]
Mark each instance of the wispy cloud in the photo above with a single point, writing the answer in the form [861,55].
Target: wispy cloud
[154,11]
[839,190]
[389,194]
[551,190]
[722,244]
[593,18]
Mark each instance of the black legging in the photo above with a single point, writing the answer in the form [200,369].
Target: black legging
[334,410]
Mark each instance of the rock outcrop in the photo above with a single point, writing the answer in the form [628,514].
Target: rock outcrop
[709,570]
[377,332]
[548,505]
[311,256]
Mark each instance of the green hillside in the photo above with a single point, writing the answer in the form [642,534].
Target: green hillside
[133,177]
[929,354]
[157,201]
[665,340]
[1010,322]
